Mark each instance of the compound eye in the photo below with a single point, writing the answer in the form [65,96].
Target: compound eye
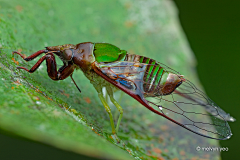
[67,54]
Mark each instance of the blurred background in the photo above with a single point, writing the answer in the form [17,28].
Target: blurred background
[212,29]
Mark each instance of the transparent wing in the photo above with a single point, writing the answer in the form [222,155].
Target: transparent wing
[187,106]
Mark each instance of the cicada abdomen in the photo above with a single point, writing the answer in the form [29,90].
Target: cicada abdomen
[143,76]
[156,80]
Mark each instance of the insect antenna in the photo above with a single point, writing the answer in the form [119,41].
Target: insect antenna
[75,83]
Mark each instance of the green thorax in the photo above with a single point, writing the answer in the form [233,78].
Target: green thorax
[105,52]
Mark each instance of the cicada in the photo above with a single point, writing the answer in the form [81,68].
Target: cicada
[153,84]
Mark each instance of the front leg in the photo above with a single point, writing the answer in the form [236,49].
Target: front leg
[31,57]
[65,71]
[61,74]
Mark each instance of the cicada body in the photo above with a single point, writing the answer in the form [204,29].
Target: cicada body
[153,84]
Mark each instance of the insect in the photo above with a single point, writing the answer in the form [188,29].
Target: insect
[156,86]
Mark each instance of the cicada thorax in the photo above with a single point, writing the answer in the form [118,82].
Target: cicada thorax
[156,79]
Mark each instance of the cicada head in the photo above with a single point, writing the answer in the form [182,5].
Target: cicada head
[64,52]
[80,54]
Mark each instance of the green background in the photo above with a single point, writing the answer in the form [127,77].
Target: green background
[212,28]
[30,26]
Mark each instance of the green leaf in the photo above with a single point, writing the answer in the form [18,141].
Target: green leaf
[54,112]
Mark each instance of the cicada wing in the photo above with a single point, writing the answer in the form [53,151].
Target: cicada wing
[185,106]
[195,111]
[196,96]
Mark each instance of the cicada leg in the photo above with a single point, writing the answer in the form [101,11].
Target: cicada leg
[119,108]
[61,74]
[106,106]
